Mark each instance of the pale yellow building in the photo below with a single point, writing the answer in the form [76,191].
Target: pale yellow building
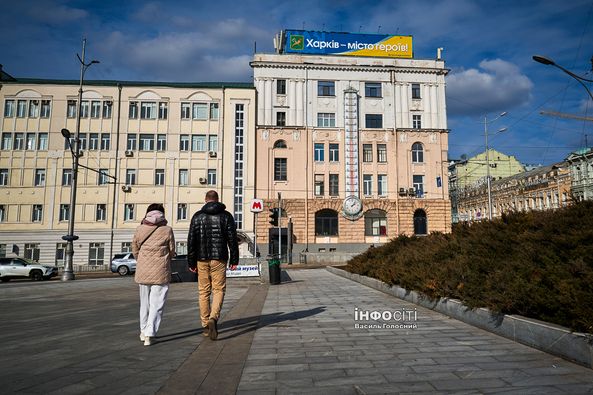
[141,143]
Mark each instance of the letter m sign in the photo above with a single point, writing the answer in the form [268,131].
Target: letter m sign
[257,206]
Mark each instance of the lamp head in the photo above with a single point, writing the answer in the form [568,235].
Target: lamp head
[94,61]
[543,60]
[66,133]
[502,114]
[502,130]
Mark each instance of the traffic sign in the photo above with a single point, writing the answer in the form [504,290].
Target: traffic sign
[257,206]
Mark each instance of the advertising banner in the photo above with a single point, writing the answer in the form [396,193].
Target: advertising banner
[347,44]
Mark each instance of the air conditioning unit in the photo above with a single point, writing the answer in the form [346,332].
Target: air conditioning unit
[402,191]
[129,153]
[411,192]
[203,180]
[212,154]
[126,188]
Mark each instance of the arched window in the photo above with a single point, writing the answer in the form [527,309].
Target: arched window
[420,223]
[375,223]
[326,223]
[417,153]
[280,144]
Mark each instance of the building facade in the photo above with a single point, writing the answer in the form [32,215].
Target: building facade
[581,170]
[355,146]
[544,188]
[141,143]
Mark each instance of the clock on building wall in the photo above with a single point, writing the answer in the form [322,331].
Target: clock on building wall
[352,207]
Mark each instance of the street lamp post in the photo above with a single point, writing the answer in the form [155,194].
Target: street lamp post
[71,237]
[488,182]
[550,62]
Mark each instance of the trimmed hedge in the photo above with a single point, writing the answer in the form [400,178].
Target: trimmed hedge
[537,264]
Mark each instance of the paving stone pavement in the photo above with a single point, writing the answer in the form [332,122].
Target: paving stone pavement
[307,343]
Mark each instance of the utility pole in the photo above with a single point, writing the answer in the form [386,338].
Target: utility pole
[280,226]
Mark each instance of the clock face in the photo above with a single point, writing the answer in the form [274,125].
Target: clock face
[352,205]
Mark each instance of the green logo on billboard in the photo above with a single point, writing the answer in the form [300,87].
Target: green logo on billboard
[297,42]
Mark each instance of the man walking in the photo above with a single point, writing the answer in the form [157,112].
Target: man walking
[212,234]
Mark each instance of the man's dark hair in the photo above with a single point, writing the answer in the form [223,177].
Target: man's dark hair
[157,207]
[212,196]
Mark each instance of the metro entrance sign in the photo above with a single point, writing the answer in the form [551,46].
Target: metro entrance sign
[257,206]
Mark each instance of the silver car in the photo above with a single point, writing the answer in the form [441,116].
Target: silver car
[123,263]
[23,268]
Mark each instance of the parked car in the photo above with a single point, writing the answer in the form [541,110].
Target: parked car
[123,263]
[23,268]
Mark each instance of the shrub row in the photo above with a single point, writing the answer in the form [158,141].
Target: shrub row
[538,264]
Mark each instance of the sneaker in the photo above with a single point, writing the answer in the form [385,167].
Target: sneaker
[212,329]
[206,332]
[142,337]
[148,341]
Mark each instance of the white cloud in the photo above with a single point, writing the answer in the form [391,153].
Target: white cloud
[496,86]
[57,15]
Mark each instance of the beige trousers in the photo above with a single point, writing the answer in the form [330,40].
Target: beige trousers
[211,281]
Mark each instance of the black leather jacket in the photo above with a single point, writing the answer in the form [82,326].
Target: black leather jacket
[212,233]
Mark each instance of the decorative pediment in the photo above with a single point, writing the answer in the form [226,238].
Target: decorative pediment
[29,93]
[148,95]
[200,96]
[91,95]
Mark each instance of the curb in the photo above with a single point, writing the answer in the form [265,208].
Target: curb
[553,339]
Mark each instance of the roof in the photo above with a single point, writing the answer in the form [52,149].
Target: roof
[40,81]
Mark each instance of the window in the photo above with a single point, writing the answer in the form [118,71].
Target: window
[101,212]
[334,152]
[8,108]
[420,222]
[84,109]
[280,169]
[133,111]
[181,211]
[373,121]
[375,223]
[213,143]
[319,184]
[67,177]
[148,110]
[126,246]
[415,91]
[184,142]
[198,142]
[326,88]
[211,176]
[107,107]
[32,251]
[131,143]
[319,152]
[200,111]
[159,177]
[64,212]
[326,223]
[279,144]
[418,184]
[417,153]
[6,141]
[185,111]
[45,108]
[372,89]
[381,153]
[281,87]
[82,141]
[93,141]
[382,184]
[367,184]
[60,254]
[163,109]
[161,142]
[183,177]
[39,177]
[33,108]
[417,121]
[3,177]
[105,141]
[326,120]
[280,118]
[131,177]
[95,109]
[181,247]
[102,177]
[96,253]
[3,213]
[37,213]
[146,142]
[129,209]
[19,141]
[42,141]
[31,141]
[21,108]
[334,184]
[71,109]
[213,110]
[367,152]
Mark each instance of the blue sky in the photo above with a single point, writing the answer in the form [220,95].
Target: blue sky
[488,46]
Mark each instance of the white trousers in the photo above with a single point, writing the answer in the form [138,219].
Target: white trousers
[152,304]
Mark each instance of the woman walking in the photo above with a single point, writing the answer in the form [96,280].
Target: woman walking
[154,247]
